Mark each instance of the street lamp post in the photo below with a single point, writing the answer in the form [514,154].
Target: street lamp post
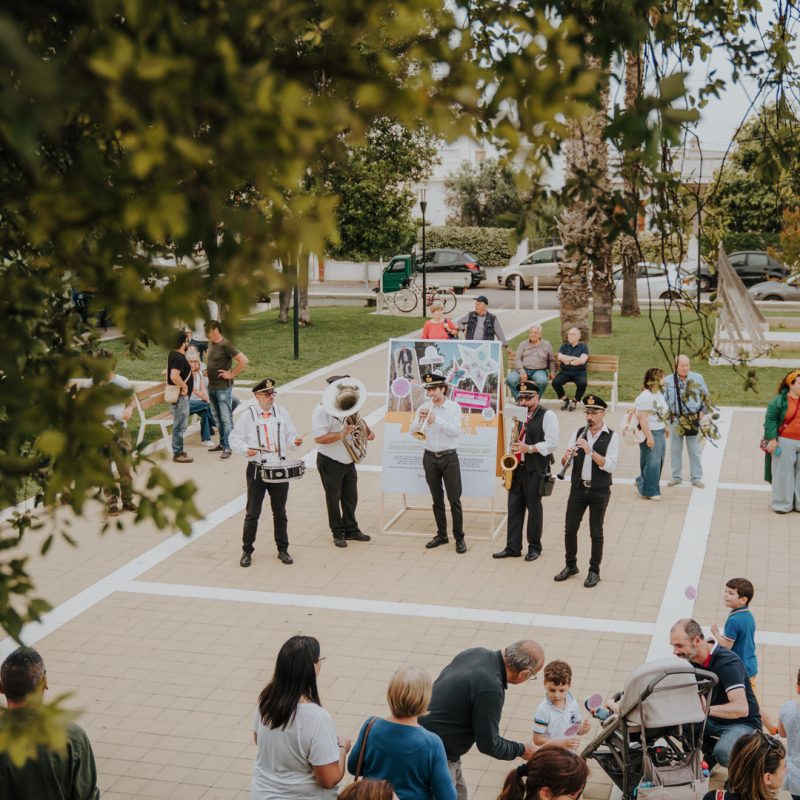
[423,204]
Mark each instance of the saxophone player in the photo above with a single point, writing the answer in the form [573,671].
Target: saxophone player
[340,436]
[438,423]
[537,440]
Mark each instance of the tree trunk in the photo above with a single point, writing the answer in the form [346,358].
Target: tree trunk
[286,296]
[628,248]
[285,301]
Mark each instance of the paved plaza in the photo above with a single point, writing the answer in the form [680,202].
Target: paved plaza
[166,642]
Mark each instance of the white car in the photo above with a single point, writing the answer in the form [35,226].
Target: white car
[656,281]
[542,264]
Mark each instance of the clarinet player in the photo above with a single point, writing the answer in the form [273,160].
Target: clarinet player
[594,452]
[438,424]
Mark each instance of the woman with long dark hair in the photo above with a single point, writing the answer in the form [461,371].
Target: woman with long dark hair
[299,755]
[553,773]
[756,769]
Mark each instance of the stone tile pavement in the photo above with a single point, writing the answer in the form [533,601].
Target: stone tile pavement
[166,641]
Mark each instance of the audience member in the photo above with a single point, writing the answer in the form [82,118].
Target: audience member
[481,324]
[558,719]
[739,633]
[733,710]
[199,401]
[179,373]
[69,773]
[551,774]
[686,394]
[299,755]
[534,361]
[756,769]
[438,327]
[199,338]
[368,790]
[467,703]
[789,728]
[572,357]
[651,411]
[782,456]
[398,749]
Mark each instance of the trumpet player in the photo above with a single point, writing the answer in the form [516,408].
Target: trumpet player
[333,428]
[439,419]
[538,438]
[594,450]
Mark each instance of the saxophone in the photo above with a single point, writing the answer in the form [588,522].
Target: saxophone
[508,461]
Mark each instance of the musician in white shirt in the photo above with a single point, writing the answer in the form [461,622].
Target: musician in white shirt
[440,420]
[264,433]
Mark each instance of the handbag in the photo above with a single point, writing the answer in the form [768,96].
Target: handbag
[363,748]
[546,483]
[631,431]
[764,441]
[172,393]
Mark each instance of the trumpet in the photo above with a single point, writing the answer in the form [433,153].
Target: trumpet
[420,432]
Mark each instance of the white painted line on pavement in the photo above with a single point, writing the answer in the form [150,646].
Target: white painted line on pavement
[746,487]
[359,605]
[687,566]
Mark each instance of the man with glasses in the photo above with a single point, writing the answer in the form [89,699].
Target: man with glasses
[533,449]
[467,703]
[594,452]
[440,420]
[733,711]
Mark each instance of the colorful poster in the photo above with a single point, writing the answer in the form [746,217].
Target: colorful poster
[473,374]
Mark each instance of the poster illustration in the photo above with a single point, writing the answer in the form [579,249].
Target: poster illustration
[472,370]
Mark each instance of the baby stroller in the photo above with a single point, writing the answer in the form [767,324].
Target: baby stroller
[651,749]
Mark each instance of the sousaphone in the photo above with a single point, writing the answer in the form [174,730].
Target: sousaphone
[343,399]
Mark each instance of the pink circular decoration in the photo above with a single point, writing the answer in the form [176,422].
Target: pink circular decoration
[572,730]
[690,592]
[401,387]
[594,701]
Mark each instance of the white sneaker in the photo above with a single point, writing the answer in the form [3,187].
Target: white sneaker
[207,443]
[698,484]
[674,482]
[656,497]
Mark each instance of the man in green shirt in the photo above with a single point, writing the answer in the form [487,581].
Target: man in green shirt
[56,775]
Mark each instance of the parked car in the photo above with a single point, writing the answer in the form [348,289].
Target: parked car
[446,260]
[541,264]
[398,272]
[777,290]
[662,281]
[752,266]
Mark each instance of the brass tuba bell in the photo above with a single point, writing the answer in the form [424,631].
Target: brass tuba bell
[343,399]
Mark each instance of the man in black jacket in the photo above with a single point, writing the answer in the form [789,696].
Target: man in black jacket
[468,699]
[533,450]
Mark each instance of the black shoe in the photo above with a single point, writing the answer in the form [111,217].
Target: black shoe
[130,506]
[246,560]
[436,541]
[506,553]
[284,557]
[217,448]
[592,579]
[113,511]
[357,537]
[565,573]
[339,540]
[226,453]
[573,404]
[532,555]
[461,546]
[565,404]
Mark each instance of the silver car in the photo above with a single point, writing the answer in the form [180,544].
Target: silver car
[777,290]
[541,264]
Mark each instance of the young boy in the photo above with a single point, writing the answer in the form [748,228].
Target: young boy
[558,712]
[740,627]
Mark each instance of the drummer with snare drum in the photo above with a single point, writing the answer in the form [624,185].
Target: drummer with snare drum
[264,433]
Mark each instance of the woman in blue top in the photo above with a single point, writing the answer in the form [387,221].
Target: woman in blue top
[398,749]
[572,357]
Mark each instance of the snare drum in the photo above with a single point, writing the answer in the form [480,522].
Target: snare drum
[281,471]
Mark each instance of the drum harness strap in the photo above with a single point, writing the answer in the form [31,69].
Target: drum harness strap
[262,449]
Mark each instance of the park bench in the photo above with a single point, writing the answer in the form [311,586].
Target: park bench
[146,399]
[605,365]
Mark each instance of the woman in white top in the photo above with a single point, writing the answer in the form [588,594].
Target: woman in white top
[651,411]
[299,755]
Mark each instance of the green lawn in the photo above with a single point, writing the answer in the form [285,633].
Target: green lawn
[634,342]
[336,333]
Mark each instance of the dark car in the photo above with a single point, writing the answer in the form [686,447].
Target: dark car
[449,259]
[752,266]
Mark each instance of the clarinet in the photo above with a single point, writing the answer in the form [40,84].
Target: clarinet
[561,475]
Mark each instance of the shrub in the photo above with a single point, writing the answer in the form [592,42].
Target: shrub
[744,240]
[491,246]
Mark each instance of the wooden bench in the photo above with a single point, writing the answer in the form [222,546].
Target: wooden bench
[146,399]
[605,365]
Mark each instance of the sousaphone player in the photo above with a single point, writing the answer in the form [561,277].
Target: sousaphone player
[341,436]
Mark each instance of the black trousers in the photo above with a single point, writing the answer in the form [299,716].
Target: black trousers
[340,482]
[524,496]
[596,500]
[445,469]
[579,381]
[278,494]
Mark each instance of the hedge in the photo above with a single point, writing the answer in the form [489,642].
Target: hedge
[746,240]
[491,246]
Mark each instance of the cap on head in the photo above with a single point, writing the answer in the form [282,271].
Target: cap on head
[433,379]
[528,388]
[482,298]
[593,401]
[334,378]
[267,385]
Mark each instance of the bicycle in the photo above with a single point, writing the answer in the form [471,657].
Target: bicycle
[407,299]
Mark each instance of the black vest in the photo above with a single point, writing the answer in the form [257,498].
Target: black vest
[488,326]
[534,432]
[600,478]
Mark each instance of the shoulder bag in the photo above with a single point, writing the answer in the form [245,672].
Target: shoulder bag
[172,393]
[360,763]
[765,442]
[631,432]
